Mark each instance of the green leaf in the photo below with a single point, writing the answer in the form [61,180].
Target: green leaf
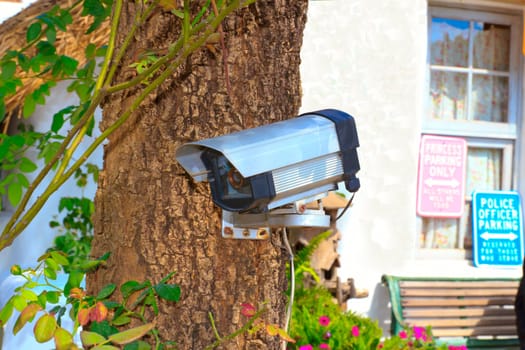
[103,328]
[52,264]
[29,295]
[33,32]
[101,51]
[122,320]
[59,118]
[69,65]
[49,151]
[14,193]
[8,70]
[45,48]
[19,302]
[24,62]
[170,292]
[45,328]
[132,334]
[53,297]
[42,299]
[105,347]
[130,287]
[50,273]
[29,106]
[90,51]
[51,35]
[74,280]
[26,165]
[23,180]
[106,291]
[138,345]
[6,312]
[63,339]
[91,338]
[58,122]
[60,258]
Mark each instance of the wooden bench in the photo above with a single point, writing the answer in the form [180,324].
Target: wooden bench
[476,312]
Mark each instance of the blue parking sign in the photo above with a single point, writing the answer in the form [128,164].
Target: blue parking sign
[497,228]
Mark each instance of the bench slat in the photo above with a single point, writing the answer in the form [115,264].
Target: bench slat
[459,284]
[474,332]
[464,322]
[466,312]
[457,292]
[409,302]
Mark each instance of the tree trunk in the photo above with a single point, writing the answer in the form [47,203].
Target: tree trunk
[154,218]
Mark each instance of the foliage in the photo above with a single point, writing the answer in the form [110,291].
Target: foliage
[303,268]
[319,323]
[40,58]
[76,230]
[416,338]
[318,320]
[100,316]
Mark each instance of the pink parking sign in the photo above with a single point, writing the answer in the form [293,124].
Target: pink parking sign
[441,178]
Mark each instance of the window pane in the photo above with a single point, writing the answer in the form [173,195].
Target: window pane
[483,169]
[439,233]
[490,98]
[448,95]
[449,42]
[483,173]
[491,46]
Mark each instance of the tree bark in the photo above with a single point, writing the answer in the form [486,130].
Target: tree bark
[154,218]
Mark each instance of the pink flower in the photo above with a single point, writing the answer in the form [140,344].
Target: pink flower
[403,335]
[380,346]
[355,331]
[324,346]
[419,332]
[306,347]
[324,320]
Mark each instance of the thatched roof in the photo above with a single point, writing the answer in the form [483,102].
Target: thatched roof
[71,43]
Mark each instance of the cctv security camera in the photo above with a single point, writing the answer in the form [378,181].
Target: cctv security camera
[258,170]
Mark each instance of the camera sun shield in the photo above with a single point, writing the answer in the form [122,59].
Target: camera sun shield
[259,169]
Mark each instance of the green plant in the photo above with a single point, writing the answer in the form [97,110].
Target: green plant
[303,268]
[99,315]
[416,338]
[318,321]
[75,231]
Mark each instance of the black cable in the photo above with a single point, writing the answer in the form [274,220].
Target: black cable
[347,206]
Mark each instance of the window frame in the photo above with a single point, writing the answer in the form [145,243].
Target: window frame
[479,134]
[506,130]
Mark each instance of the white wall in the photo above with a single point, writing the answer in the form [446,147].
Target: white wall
[368,58]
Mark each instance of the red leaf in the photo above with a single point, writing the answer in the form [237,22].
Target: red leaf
[83,316]
[99,312]
[248,309]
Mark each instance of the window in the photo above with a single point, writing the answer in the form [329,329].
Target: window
[474,87]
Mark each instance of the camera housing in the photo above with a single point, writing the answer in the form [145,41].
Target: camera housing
[260,169]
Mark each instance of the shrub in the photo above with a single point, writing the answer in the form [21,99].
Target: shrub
[319,323]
